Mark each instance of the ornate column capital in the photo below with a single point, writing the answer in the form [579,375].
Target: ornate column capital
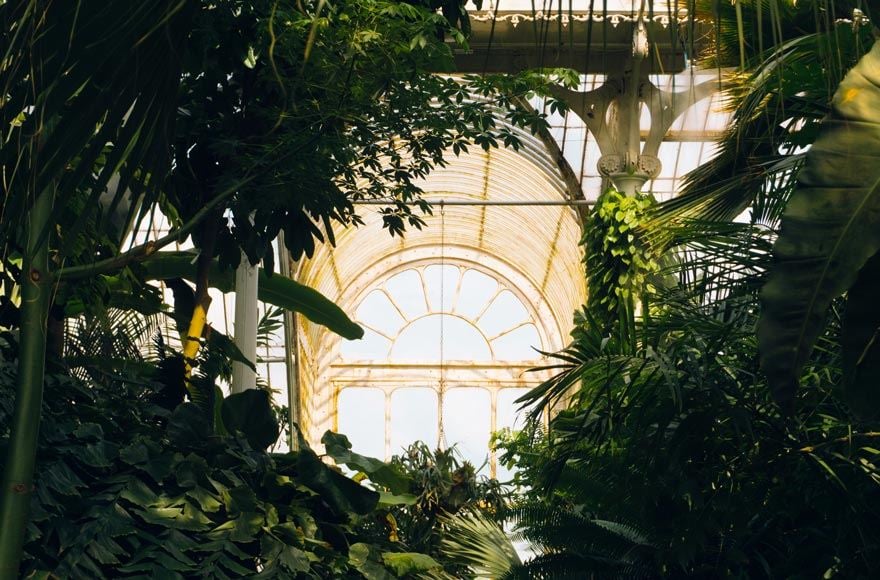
[627,175]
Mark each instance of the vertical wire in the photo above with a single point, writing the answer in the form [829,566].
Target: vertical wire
[441,390]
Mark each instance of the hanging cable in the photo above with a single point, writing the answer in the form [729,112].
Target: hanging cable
[441,386]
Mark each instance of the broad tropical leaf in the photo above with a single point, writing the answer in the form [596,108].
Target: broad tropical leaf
[859,345]
[276,290]
[475,540]
[339,448]
[830,228]
[250,412]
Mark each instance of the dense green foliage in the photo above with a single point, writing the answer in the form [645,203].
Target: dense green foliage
[282,113]
[440,485]
[674,460]
[666,454]
[130,488]
[239,121]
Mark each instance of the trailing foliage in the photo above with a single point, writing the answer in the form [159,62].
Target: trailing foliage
[619,263]
[129,488]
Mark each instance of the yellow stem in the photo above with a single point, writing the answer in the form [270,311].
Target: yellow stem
[192,340]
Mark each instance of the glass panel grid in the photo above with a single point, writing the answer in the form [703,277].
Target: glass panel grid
[404,319]
[484,321]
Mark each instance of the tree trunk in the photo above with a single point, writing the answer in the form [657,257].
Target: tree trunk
[18,471]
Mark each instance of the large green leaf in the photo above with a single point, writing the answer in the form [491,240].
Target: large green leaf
[250,412]
[339,448]
[859,344]
[339,492]
[831,227]
[276,290]
[404,563]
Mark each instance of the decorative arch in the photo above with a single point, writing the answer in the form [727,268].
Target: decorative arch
[532,252]
[443,359]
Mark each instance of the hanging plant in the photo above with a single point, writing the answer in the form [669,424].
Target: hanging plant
[619,262]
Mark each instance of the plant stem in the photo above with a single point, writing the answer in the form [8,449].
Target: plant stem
[199,319]
[144,251]
[18,472]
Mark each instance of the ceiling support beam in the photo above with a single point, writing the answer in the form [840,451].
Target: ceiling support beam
[612,114]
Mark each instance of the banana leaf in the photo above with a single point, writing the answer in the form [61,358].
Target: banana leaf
[831,227]
[276,290]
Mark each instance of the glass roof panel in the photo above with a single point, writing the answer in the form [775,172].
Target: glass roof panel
[700,125]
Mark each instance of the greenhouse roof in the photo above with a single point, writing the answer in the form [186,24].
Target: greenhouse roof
[509,36]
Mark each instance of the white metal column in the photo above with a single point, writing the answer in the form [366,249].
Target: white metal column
[246,317]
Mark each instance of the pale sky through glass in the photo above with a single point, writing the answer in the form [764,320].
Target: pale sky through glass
[483,322]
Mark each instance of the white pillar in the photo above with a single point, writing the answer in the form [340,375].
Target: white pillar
[246,318]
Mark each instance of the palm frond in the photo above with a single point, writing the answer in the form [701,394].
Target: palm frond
[566,565]
[474,540]
[116,67]
[108,341]
[777,110]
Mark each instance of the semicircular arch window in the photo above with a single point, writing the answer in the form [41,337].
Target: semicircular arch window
[419,322]
[450,313]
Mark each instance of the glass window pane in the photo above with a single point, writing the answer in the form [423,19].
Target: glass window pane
[377,312]
[668,155]
[450,276]
[414,417]
[718,118]
[508,415]
[407,292]
[420,341]
[361,417]
[371,347]
[505,312]
[519,344]
[689,157]
[476,291]
[466,422]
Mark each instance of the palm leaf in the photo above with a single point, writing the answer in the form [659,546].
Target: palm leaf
[118,69]
[111,342]
[777,109]
[472,539]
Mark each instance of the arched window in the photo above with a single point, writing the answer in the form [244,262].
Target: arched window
[435,362]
